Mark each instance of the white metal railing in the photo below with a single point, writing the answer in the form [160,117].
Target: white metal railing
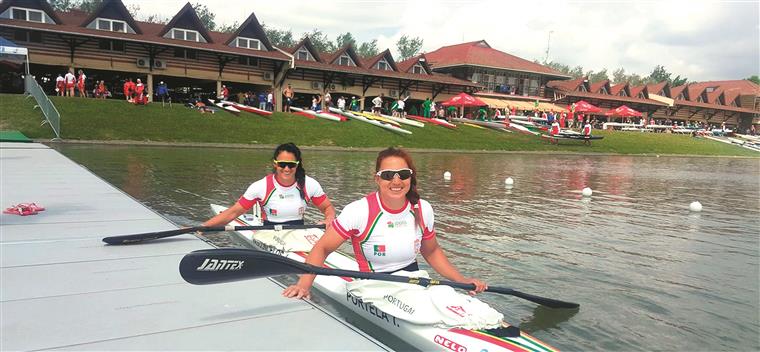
[52,117]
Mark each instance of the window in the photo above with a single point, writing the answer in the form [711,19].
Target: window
[185,34]
[623,93]
[700,100]
[111,45]
[680,97]
[105,24]
[248,61]
[32,15]
[418,69]
[641,95]
[248,43]
[603,90]
[384,65]
[302,54]
[185,53]
[27,36]
[582,88]
[345,60]
[710,89]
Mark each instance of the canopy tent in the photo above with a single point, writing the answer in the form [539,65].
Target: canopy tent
[13,56]
[463,99]
[584,106]
[623,111]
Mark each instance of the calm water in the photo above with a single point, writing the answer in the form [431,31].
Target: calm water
[649,275]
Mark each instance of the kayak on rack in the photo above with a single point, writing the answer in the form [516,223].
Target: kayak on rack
[372,116]
[499,126]
[290,244]
[377,123]
[247,108]
[326,116]
[434,121]
[403,120]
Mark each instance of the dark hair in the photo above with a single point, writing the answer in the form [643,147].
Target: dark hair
[412,195]
[300,170]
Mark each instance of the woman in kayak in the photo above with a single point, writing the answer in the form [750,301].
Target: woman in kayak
[386,228]
[283,195]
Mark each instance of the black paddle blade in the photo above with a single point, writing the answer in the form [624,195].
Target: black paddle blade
[548,302]
[213,266]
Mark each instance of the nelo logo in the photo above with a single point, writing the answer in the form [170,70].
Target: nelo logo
[220,265]
[449,344]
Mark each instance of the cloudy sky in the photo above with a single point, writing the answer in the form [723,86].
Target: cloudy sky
[708,40]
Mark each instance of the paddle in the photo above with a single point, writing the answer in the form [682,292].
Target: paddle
[141,237]
[213,266]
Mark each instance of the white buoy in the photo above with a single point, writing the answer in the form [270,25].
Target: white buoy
[695,206]
[446,175]
[587,192]
[509,181]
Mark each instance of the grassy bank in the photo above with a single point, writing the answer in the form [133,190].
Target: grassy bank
[89,119]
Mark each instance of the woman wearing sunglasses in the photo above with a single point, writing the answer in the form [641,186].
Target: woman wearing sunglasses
[386,228]
[283,195]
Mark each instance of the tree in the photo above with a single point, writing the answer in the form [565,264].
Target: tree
[659,74]
[156,18]
[82,5]
[678,81]
[754,79]
[206,16]
[320,41]
[618,76]
[408,47]
[345,39]
[228,28]
[63,5]
[279,37]
[368,49]
[597,76]
[576,72]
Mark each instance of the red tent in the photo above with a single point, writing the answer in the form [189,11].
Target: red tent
[463,99]
[623,111]
[584,106]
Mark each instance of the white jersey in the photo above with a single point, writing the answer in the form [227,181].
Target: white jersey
[341,103]
[400,104]
[70,78]
[377,101]
[59,80]
[385,240]
[282,203]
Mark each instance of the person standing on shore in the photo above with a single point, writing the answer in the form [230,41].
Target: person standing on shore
[70,82]
[128,89]
[81,84]
[354,104]
[60,86]
[288,94]
[426,107]
[377,104]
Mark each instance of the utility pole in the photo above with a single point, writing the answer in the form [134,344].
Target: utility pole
[548,41]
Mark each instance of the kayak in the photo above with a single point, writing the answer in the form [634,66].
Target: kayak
[248,108]
[372,116]
[422,337]
[438,122]
[471,125]
[325,116]
[228,108]
[522,129]
[499,126]
[528,118]
[377,123]
[403,120]
[576,137]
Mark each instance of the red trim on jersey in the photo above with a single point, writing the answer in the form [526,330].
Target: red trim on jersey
[342,231]
[406,202]
[247,204]
[318,200]
[360,258]
[426,235]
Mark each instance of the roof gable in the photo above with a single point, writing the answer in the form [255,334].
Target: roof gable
[569,86]
[306,44]
[662,88]
[696,93]
[370,63]
[621,89]
[602,87]
[251,28]
[114,10]
[639,92]
[41,5]
[676,93]
[347,49]
[187,18]
[408,65]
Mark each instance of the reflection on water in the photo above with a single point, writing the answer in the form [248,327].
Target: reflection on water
[648,273]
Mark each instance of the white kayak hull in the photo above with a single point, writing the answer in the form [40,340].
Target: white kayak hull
[380,124]
[423,337]
[312,112]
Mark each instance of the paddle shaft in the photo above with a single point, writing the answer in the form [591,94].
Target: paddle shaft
[212,266]
[148,236]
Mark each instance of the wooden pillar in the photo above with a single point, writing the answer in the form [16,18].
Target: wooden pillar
[361,102]
[149,83]
[218,88]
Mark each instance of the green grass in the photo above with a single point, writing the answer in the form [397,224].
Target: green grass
[104,120]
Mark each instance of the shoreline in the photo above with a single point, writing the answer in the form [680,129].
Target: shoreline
[362,149]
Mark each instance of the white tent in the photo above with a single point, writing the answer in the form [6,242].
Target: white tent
[10,52]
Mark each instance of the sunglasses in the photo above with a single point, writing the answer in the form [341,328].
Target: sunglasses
[388,175]
[287,163]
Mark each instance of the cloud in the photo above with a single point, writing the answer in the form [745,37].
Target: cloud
[702,40]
